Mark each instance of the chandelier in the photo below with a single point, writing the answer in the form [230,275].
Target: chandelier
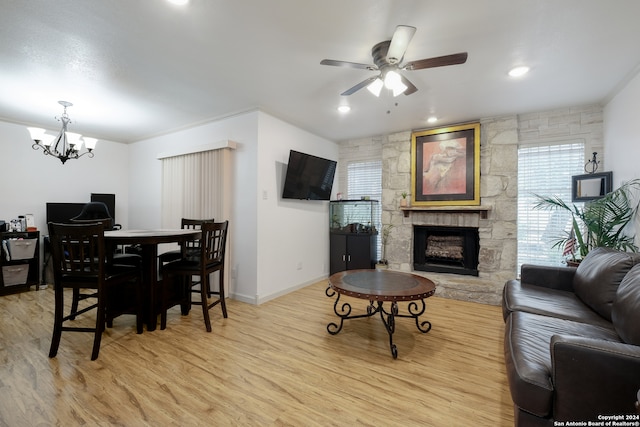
[64,146]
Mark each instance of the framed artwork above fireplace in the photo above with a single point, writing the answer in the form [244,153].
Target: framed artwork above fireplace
[445,166]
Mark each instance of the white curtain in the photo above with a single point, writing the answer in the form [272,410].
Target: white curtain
[197,186]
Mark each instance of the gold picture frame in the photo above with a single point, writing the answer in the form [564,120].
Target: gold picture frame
[445,166]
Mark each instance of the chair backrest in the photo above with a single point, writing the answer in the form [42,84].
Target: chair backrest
[107,223]
[94,210]
[192,224]
[214,238]
[77,252]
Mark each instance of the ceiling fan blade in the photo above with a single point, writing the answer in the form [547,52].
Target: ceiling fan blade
[439,61]
[411,88]
[359,86]
[399,43]
[336,63]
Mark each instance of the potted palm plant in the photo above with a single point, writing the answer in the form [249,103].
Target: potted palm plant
[599,223]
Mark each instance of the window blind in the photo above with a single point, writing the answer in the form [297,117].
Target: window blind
[364,179]
[196,185]
[546,171]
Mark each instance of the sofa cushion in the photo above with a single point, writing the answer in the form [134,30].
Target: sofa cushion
[625,313]
[527,344]
[599,275]
[541,300]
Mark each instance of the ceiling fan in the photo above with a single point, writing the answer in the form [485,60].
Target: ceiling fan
[387,57]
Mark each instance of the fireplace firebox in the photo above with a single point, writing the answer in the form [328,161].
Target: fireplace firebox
[446,249]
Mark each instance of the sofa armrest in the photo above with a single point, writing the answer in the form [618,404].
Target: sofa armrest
[560,278]
[593,377]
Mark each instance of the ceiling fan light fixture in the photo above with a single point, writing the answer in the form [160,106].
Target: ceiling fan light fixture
[376,86]
[391,79]
[399,88]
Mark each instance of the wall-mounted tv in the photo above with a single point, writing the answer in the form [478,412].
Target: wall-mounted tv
[308,177]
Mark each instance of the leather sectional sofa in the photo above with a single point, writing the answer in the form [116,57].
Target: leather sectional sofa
[572,340]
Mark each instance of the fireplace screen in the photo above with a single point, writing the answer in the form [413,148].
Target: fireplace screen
[446,249]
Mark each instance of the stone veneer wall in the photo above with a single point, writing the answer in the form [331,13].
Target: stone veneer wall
[499,140]
[498,191]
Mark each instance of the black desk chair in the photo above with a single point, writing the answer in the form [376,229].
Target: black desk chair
[210,259]
[79,262]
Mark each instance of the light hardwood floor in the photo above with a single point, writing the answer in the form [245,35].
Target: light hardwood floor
[268,365]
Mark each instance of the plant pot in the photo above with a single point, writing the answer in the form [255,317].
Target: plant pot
[572,263]
[403,203]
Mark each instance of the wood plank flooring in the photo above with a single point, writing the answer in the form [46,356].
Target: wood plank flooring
[267,365]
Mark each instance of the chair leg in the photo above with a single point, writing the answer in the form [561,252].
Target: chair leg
[57,322]
[74,303]
[204,291]
[221,293]
[100,322]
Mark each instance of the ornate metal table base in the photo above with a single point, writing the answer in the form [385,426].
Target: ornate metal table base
[415,310]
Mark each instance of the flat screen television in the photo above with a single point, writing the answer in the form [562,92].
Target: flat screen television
[63,212]
[308,177]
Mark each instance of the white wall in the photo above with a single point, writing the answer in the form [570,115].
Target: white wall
[29,179]
[622,147]
[293,235]
[268,237]
[145,190]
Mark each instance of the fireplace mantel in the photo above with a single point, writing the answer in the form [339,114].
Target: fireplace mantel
[482,210]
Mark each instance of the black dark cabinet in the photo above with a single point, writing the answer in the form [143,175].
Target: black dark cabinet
[353,234]
[19,261]
[351,251]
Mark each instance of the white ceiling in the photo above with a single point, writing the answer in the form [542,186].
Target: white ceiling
[139,68]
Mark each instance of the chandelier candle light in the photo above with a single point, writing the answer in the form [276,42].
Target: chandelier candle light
[65,146]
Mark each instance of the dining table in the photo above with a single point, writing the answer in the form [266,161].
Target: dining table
[148,241]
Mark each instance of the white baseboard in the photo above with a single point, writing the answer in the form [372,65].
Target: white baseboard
[260,299]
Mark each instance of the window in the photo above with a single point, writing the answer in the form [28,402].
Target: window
[365,179]
[545,170]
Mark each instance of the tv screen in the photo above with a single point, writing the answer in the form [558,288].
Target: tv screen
[63,212]
[308,177]
[107,199]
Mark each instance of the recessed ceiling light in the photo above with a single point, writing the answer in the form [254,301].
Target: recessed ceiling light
[179,2]
[518,71]
[432,119]
[344,108]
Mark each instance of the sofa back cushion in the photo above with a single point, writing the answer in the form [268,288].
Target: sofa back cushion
[599,275]
[625,312]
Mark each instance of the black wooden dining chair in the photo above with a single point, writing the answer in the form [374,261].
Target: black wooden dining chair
[79,262]
[113,256]
[189,248]
[211,258]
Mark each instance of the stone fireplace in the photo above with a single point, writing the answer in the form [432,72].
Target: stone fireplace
[496,218]
[492,225]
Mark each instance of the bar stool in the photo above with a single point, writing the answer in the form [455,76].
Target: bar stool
[79,262]
[210,259]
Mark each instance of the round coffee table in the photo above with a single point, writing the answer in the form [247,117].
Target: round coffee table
[379,286]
